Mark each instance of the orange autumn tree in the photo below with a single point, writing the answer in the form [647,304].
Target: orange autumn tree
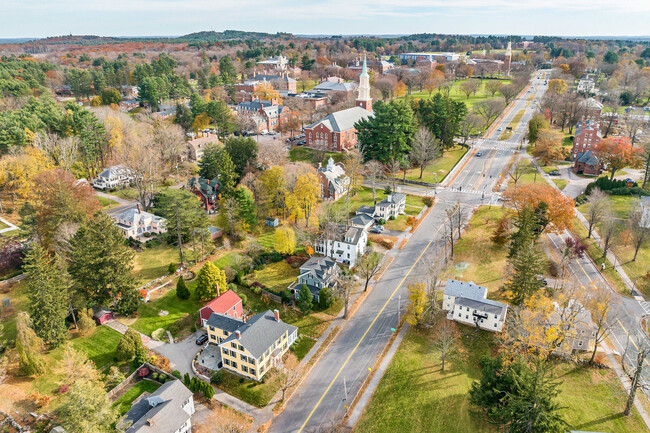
[548,146]
[616,153]
[559,207]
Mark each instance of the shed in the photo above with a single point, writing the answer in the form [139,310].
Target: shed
[102,315]
[272,222]
[215,232]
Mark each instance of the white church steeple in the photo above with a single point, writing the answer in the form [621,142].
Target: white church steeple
[364,100]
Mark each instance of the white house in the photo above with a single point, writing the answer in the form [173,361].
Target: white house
[582,335]
[586,85]
[134,222]
[169,409]
[113,177]
[392,205]
[342,243]
[467,303]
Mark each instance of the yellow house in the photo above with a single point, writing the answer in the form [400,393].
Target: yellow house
[251,348]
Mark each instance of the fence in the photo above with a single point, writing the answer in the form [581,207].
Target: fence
[133,376]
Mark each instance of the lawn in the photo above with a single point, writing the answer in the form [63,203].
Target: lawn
[413,207]
[152,263]
[123,404]
[531,174]
[561,183]
[275,276]
[621,206]
[455,93]
[475,255]
[302,346]
[301,153]
[441,403]
[106,203]
[99,346]
[436,171]
[148,319]
[258,394]
[513,125]
[3,225]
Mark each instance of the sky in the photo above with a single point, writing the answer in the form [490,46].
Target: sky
[41,18]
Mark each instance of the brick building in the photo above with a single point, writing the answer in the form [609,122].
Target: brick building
[333,181]
[586,137]
[336,131]
[593,109]
[587,163]
[271,114]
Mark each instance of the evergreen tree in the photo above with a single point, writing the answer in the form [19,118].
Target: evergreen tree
[325,298]
[85,322]
[182,292]
[247,207]
[48,295]
[209,163]
[100,262]
[524,280]
[129,345]
[216,163]
[227,175]
[29,347]
[386,136]
[496,384]
[526,230]
[242,151]
[305,299]
[210,281]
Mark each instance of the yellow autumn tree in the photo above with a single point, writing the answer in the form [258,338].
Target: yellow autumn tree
[400,89]
[18,170]
[557,86]
[201,122]
[548,146]
[266,92]
[306,193]
[285,240]
[418,303]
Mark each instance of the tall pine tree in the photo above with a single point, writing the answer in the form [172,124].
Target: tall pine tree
[100,263]
[48,287]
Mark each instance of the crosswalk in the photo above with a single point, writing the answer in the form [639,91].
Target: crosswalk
[645,305]
[467,191]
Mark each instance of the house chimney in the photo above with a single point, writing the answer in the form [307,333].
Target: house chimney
[138,207]
[237,334]
[276,313]
[149,422]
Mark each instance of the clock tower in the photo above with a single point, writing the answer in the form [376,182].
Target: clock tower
[364,100]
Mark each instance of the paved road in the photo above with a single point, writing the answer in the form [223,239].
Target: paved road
[321,400]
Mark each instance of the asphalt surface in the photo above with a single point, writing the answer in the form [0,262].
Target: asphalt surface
[321,399]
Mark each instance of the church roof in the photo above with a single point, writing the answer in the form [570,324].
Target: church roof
[343,120]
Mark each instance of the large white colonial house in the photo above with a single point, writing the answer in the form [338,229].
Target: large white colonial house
[135,222]
[112,177]
[342,243]
[467,303]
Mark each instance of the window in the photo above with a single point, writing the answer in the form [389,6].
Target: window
[234,364]
[233,344]
[243,357]
[241,347]
[252,371]
[212,337]
[580,343]
[244,369]
[495,325]
[466,316]
[495,316]
[225,361]
[226,333]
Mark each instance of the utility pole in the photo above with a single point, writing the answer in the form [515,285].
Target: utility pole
[399,304]
[345,395]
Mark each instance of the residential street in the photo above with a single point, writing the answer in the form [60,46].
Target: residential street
[321,399]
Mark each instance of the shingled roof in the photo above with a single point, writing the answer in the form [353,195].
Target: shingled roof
[259,333]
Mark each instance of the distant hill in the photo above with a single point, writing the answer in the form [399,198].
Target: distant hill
[212,36]
[77,40]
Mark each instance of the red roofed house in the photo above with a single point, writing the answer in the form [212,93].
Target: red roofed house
[228,303]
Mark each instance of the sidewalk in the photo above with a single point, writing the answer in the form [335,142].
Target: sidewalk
[114,197]
[10,227]
[122,328]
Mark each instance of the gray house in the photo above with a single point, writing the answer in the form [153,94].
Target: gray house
[168,410]
[317,273]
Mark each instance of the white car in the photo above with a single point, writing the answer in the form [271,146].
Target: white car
[499,129]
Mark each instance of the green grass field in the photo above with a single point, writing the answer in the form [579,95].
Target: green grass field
[123,404]
[364,197]
[106,203]
[152,263]
[415,396]
[99,346]
[304,154]
[258,394]
[455,93]
[275,276]
[148,319]
[437,170]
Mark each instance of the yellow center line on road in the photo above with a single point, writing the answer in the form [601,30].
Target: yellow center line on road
[491,160]
[363,337]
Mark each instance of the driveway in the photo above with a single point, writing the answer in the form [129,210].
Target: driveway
[180,354]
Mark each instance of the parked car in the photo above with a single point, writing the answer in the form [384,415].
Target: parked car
[375,230]
[479,154]
[302,142]
[203,338]
[499,129]
[553,173]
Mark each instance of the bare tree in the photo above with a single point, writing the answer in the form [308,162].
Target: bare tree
[519,171]
[639,233]
[291,373]
[344,290]
[374,170]
[446,341]
[471,124]
[598,205]
[229,208]
[142,156]
[470,87]
[608,122]
[493,86]
[633,126]
[391,169]
[634,366]
[489,110]
[450,227]
[369,266]
[270,153]
[607,232]
[508,92]
[168,139]
[424,149]
[459,218]
[646,164]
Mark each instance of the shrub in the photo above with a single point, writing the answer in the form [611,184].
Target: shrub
[266,299]
[186,379]
[244,298]
[241,380]
[168,182]
[239,277]
[217,377]
[182,292]
[230,273]
[428,201]
[382,221]
[326,298]
[63,389]
[143,372]
[162,378]
[392,217]
[159,334]
[257,290]
[154,375]
[176,374]
[171,269]
[286,297]
[387,189]
[233,287]
[553,268]
[161,362]
[152,243]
